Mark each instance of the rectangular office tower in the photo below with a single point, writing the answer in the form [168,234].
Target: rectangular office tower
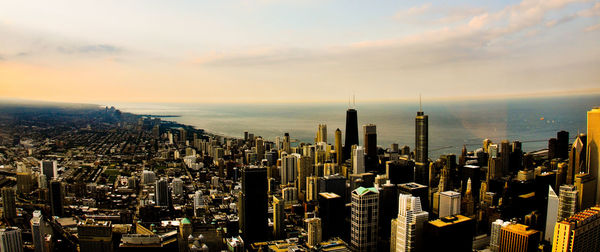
[449,203]
[593,146]
[451,233]
[254,208]
[416,190]
[330,207]
[364,213]
[95,236]
[410,224]
[11,240]
[580,232]
[518,237]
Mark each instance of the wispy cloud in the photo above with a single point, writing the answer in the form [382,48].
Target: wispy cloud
[86,49]
[592,28]
[413,11]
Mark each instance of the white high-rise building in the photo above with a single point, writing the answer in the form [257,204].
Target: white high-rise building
[410,224]
[289,168]
[198,201]
[148,177]
[567,201]
[495,234]
[363,224]
[449,203]
[358,160]
[177,185]
[552,214]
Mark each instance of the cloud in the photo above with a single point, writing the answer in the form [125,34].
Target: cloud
[413,11]
[594,11]
[592,28]
[88,49]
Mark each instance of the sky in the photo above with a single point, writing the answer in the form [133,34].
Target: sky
[296,50]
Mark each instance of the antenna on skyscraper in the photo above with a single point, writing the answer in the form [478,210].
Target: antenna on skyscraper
[420,104]
[353,100]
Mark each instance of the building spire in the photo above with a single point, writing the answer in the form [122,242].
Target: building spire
[420,104]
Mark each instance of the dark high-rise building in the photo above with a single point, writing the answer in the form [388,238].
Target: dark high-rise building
[451,233]
[472,172]
[331,212]
[49,168]
[505,156]
[552,145]
[351,132]
[562,144]
[388,210]
[370,139]
[95,236]
[334,184]
[400,171]
[416,190]
[9,207]
[254,204]
[162,193]
[516,156]
[56,198]
[421,147]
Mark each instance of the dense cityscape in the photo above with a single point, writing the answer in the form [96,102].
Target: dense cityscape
[86,178]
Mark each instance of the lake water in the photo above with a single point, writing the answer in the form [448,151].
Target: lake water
[452,124]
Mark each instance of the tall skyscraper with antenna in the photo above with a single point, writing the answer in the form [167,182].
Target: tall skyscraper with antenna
[421,146]
[351,131]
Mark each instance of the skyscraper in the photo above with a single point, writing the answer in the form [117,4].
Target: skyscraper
[552,214]
[254,202]
[162,192]
[450,233]
[363,231]
[38,231]
[286,143]
[56,198]
[593,147]
[449,203]
[260,149]
[468,203]
[305,169]
[358,160]
[578,232]
[351,132]
[314,231]
[370,140]
[289,168]
[586,190]
[330,207]
[11,240]
[562,144]
[338,147]
[567,201]
[9,207]
[322,133]
[411,220]
[577,158]
[495,234]
[421,147]
[95,236]
[278,217]
[518,237]
[49,168]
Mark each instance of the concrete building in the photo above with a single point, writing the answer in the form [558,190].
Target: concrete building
[364,217]
[518,237]
[410,224]
[449,203]
[580,232]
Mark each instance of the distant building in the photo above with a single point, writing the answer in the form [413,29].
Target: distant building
[330,207]
[351,138]
[289,168]
[56,198]
[495,234]
[421,147]
[278,218]
[358,160]
[162,193]
[49,168]
[363,231]
[9,207]
[578,232]
[322,133]
[11,240]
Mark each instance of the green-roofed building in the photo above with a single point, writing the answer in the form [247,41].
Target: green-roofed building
[363,227]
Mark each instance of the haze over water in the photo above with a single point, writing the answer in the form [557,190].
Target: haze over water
[451,123]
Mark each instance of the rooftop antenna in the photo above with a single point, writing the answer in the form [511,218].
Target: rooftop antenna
[353,100]
[420,104]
